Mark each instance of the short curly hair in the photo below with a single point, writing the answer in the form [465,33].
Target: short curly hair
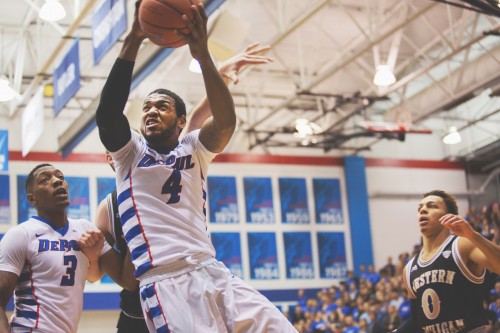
[449,200]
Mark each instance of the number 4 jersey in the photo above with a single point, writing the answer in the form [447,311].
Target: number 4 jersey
[449,295]
[161,200]
[52,271]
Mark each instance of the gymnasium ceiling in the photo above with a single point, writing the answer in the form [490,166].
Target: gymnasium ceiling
[445,54]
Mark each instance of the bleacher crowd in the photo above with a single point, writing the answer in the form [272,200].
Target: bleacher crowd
[376,301]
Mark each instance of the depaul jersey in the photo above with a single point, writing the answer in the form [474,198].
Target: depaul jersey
[52,271]
[449,295]
[161,199]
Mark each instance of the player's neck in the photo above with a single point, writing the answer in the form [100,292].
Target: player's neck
[431,244]
[164,147]
[56,218]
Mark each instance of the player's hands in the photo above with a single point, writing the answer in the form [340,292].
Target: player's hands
[91,244]
[457,224]
[230,68]
[198,36]
[136,30]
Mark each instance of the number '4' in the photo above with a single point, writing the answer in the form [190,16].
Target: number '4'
[173,187]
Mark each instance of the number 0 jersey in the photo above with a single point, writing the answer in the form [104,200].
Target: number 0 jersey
[449,295]
[52,271]
[161,199]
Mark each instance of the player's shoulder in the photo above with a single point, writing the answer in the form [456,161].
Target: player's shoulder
[30,226]
[80,224]
[190,137]
[463,245]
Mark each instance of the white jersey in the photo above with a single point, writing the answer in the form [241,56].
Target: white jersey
[161,199]
[52,272]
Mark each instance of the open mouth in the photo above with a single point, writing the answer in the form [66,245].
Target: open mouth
[151,122]
[423,220]
[61,191]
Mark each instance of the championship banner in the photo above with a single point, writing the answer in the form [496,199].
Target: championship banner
[4,199]
[222,200]
[79,207]
[293,197]
[327,201]
[24,209]
[332,258]
[263,256]
[259,200]
[109,22]
[67,78]
[4,150]
[228,250]
[298,251]
[105,185]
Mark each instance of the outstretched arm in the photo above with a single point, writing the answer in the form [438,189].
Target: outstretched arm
[217,131]
[119,269]
[229,70]
[473,246]
[114,129]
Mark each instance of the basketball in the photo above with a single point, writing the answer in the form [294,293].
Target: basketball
[159,19]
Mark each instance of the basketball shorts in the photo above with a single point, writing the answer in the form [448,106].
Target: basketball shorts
[209,299]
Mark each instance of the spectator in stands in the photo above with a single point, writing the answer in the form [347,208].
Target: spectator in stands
[495,221]
[393,319]
[363,274]
[349,325]
[373,276]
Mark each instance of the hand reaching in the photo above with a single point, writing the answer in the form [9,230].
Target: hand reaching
[136,30]
[230,68]
[198,36]
[457,224]
[91,244]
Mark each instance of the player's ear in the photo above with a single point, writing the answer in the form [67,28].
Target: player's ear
[181,122]
[31,199]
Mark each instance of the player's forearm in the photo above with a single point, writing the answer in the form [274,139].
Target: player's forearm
[120,269]
[4,322]
[114,129]
[218,95]
[94,272]
[201,111]
[490,250]
[130,47]
[128,278]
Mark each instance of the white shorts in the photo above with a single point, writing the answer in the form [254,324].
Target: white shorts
[209,300]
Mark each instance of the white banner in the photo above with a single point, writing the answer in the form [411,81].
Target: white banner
[32,122]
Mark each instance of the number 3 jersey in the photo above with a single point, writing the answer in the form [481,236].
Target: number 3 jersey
[161,200]
[52,271]
[450,296]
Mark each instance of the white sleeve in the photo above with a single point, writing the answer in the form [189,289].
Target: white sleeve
[125,156]
[13,250]
[205,156]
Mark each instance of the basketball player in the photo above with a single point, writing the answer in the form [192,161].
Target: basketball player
[445,280]
[131,319]
[42,260]
[161,200]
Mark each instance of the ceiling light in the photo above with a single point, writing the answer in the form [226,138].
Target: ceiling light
[453,137]
[194,66]
[52,11]
[384,76]
[305,128]
[6,92]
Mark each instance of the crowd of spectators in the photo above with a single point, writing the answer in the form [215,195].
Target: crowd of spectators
[376,301]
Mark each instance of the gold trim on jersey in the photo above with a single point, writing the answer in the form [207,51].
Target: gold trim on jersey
[463,267]
[409,264]
[426,263]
